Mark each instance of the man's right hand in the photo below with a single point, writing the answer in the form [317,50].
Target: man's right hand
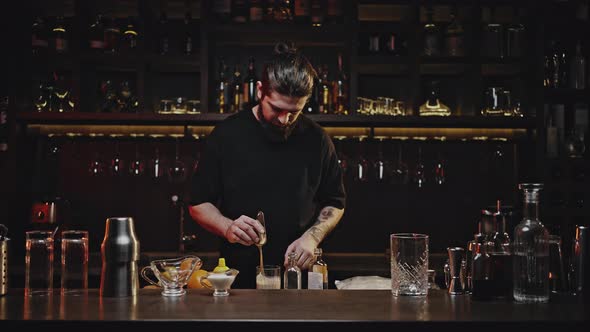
[244,230]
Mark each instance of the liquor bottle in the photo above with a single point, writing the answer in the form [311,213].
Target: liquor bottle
[325,100]
[236,91]
[531,250]
[333,11]
[239,11]
[454,36]
[39,34]
[249,98]
[317,13]
[317,275]
[130,36]
[96,34]
[60,38]
[281,11]
[112,34]
[41,101]
[431,35]
[163,44]
[222,10]
[481,272]
[222,90]
[3,124]
[187,41]
[340,90]
[578,70]
[256,11]
[301,11]
[292,274]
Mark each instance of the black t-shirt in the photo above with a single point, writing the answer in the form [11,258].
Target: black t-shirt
[242,172]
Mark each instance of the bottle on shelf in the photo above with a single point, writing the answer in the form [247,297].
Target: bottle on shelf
[39,36]
[130,35]
[222,10]
[61,95]
[292,274]
[317,13]
[340,90]
[60,36]
[222,98]
[317,275]
[454,36]
[236,91]
[256,11]
[431,34]
[515,35]
[531,250]
[249,98]
[578,69]
[163,41]
[187,46]
[3,124]
[112,35]
[325,100]
[96,34]
[301,11]
[239,11]
[493,37]
[334,11]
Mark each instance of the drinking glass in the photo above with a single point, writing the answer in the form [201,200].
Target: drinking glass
[269,277]
[39,263]
[380,166]
[419,171]
[409,264]
[74,261]
[439,170]
[137,165]
[116,162]
[177,171]
[361,165]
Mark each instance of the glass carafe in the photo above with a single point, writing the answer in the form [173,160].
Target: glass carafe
[531,250]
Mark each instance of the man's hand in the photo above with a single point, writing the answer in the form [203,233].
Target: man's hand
[303,248]
[244,230]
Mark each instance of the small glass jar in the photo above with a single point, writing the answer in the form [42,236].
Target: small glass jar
[193,106]
[179,106]
[165,106]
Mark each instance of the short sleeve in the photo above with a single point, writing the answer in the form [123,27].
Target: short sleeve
[206,182]
[331,191]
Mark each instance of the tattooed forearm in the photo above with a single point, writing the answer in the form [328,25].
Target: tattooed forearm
[328,219]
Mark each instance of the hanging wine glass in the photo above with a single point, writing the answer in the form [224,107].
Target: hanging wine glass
[197,155]
[399,172]
[96,167]
[361,165]
[177,171]
[419,172]
[156,164]
[380,165]
[137,165]
[116,161]
[439,170]
[342,158]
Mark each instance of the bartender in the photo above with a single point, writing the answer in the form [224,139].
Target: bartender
[270,158]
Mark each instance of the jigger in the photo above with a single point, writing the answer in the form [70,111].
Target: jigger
[453,271]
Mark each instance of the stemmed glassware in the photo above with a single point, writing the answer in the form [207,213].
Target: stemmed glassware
[116,161]
[96,167]
[419,172]
[177,171]
[439,170]
[361,165]
[342,159]
[399,171]
[380,165]
[137,165]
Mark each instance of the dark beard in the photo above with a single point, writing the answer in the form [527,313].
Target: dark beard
[274,133]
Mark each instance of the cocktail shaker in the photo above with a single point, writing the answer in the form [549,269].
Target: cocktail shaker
[120,253]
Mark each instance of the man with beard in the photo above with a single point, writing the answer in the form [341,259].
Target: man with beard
[273,159]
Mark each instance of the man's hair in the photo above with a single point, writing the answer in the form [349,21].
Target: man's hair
[288,73]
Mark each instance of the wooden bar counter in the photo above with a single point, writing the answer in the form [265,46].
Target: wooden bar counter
[339,309]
